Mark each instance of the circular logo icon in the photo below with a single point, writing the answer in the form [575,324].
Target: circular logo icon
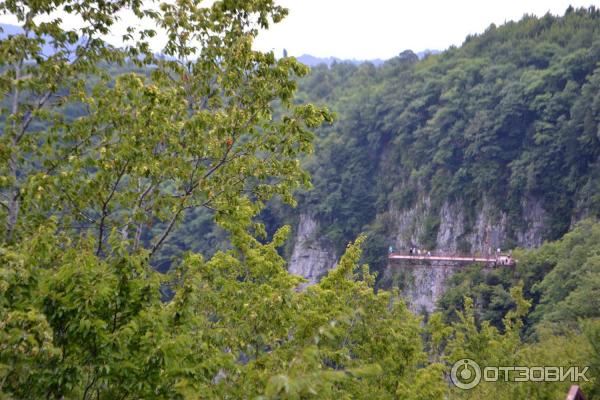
[465,374]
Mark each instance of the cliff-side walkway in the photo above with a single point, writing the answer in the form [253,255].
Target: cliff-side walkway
[496,259]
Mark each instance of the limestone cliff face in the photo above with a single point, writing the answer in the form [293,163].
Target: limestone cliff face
[311,256]
[420,284]
[487,232]
[459,230]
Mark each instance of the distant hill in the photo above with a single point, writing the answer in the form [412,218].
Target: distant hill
[427,52]
[307,59]
[11,30]
[313,61]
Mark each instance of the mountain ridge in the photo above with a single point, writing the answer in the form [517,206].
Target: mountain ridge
[313,61]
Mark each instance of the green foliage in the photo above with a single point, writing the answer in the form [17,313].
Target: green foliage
[510,116]
[79,326]
[489,290]
[592,334]
[487,346]
[556,326]
[149,148]
[430,231]
[569,291]
[560,278]
[375,252]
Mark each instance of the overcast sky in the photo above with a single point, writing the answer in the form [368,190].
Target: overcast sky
[368,29]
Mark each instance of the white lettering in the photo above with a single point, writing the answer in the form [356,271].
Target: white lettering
[581,375]
[493,377]
[506,370]
[567,374]
[522,374]
[536,374]
[552,374]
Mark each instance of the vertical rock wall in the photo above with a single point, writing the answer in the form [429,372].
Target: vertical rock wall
[486,230]
[421,284]
[311,256]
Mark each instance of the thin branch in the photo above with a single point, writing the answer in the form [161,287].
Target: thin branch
[171,223]
[138,204]
[138,236]
[13,205]
[167,231]
[28,117]
[105,208]
[209,207]
[79,211]
[193,187]
[90,385]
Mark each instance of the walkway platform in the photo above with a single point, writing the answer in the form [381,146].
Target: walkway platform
[497,259]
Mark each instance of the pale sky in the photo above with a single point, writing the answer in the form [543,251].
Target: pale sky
[369,29]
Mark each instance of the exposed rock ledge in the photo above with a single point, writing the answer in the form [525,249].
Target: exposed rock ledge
[311,258]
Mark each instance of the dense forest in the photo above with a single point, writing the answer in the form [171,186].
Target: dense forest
[143,199]
[512,113]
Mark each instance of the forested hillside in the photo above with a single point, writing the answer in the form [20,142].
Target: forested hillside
[493,144]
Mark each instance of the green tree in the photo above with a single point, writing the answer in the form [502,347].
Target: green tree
[199,131]
[487,346]
[83,311]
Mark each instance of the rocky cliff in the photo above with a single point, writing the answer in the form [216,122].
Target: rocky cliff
[421,284]
[311,257]
[487,231]
[459,230]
